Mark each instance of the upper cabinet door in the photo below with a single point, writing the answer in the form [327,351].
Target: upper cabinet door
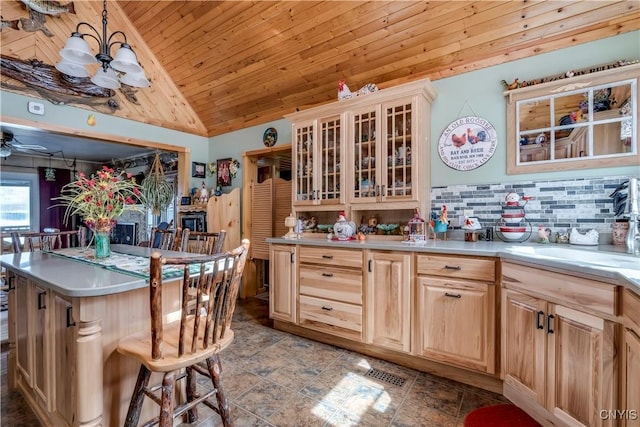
[318,162]
[398,177]
[363,180]
[304,156]
[588,121]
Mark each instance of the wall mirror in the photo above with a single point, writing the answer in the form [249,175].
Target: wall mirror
[587,121]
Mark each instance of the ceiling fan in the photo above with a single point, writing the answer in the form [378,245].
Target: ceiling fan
[9,144]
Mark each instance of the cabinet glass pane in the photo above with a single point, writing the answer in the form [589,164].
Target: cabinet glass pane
[398,151]
[534,114]
[330,159]
[364,182]
[304,160]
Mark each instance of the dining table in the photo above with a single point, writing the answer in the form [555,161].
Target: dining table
[67,312]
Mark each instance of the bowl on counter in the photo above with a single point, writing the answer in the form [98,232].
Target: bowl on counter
[512,233]
[512,217]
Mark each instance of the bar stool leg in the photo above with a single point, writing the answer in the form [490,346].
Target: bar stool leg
[192,414]
[166,409]
[135,406]
[215,371]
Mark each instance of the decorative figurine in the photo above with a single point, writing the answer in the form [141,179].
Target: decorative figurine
[439,223]
[204,193]
[543,234]
[290,222]
[417,231]
[343,229]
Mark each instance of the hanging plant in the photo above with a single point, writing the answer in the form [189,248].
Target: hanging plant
[157,192]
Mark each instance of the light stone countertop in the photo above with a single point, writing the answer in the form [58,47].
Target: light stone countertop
[607,262]
[76,278]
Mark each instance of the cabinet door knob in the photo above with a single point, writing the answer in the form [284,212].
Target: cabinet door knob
[12,284]
[549,326]
[292,255]
[325,307]
[453,267]
[539,319]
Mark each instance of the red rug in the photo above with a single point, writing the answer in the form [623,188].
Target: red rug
[505,415]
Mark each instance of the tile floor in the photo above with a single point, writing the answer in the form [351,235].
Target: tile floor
[276,379]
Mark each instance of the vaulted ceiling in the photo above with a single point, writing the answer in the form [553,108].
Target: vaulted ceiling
[222,66]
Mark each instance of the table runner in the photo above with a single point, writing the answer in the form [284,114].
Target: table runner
[133,265]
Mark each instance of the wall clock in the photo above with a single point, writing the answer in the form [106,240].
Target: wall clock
[270,137]
[467,143]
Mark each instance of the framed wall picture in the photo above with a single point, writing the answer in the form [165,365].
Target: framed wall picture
[224,174]
[198,170]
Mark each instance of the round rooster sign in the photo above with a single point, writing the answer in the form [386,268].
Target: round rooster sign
[467,143]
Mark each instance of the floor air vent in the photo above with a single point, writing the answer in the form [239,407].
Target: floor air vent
[386,377]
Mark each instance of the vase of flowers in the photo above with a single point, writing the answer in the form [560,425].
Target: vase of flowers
[100,199]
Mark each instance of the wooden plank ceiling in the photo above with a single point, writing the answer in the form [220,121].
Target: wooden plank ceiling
[222,66]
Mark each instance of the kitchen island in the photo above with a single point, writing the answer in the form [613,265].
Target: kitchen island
[66,316]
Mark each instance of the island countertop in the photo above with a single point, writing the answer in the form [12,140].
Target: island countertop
[75,278]
[607,262]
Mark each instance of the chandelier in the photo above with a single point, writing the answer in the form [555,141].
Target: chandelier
[123,68]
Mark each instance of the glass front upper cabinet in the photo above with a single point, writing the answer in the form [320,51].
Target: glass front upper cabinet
[588,121]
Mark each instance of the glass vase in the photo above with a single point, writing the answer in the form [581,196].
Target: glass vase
[102,244]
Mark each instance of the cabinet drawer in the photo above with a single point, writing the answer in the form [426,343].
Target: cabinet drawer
[572,291]
[631,309]
[331,256]
[457,267]
[343,285]
[332,317]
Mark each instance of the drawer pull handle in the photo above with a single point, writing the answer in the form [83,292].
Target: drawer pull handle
[539,318]
[453,267]
[41,305]
[324,307]
[327,274]
[12,284]
[69,321]
[327,256]
[549,319]
[447,294]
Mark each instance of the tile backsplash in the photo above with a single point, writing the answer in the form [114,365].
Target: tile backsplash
[560,205]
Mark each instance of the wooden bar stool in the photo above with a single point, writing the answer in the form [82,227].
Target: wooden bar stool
[173,239]
[49,240]
[180,349]
[202,242]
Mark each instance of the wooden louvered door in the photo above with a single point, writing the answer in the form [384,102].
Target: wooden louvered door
[271,204]
[262,214]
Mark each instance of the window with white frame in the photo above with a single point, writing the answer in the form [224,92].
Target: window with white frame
[19,203]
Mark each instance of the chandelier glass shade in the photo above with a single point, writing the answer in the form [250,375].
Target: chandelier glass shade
[124,67]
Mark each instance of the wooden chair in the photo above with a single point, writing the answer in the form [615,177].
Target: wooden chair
[202,242]
[49,240]
[178,349]
[173,240]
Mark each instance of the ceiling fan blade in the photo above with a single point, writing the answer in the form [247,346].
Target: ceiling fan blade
[21,147]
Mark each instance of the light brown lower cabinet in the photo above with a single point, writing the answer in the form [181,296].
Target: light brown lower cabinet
[559,364]
[282,283]
[456,310]
[45,349]
[630,387]
[457,322]
[389,289]
[331,291]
